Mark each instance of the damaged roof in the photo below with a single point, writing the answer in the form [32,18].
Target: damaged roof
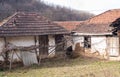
[69,25]
[99,24]
[25,23]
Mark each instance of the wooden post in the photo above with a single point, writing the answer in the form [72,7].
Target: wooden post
[118,34]
[11,58]
[39,50]
[108,47]
[6,53]
[35,39]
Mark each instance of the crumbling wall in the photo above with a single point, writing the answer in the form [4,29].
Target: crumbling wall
[99,46]
[79,51]
[27,57]
[78,39]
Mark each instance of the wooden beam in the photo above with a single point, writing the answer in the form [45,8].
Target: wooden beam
[119,45]
[39,39]
[6,53]
[35,40]
[11,60]
[118,33]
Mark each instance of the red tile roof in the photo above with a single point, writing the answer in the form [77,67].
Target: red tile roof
[106,17]
[69,25]
[100,23]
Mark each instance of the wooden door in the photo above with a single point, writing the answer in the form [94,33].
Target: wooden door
[43,42]
[113,46]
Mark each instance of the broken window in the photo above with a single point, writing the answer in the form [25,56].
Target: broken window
[87,42]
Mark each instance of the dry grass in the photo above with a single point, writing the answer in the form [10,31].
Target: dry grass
[61,67]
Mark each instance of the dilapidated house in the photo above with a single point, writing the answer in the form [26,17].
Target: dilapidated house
[29,34]
[68,25]
[96,35]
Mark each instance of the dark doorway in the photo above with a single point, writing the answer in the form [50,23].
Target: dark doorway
[87,42]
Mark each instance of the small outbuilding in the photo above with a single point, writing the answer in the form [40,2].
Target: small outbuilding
[96,36]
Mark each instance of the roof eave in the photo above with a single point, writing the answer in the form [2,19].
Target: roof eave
[92,34]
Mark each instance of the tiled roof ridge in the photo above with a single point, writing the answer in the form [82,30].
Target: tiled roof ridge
[110,10]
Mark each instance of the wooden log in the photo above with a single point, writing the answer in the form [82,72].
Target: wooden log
[6,53]
[11,59]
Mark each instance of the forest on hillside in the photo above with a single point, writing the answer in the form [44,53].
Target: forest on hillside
[55,13]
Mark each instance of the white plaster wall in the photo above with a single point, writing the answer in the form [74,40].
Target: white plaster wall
[78,39]
[28,57]
[98,43]
[51,48]
[21,41]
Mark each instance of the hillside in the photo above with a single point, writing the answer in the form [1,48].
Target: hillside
[57,13]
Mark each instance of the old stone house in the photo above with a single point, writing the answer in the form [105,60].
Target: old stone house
[30,29]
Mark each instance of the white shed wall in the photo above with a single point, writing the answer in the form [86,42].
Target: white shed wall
[78,39]
[28,57]
[99,43]
[21,41]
